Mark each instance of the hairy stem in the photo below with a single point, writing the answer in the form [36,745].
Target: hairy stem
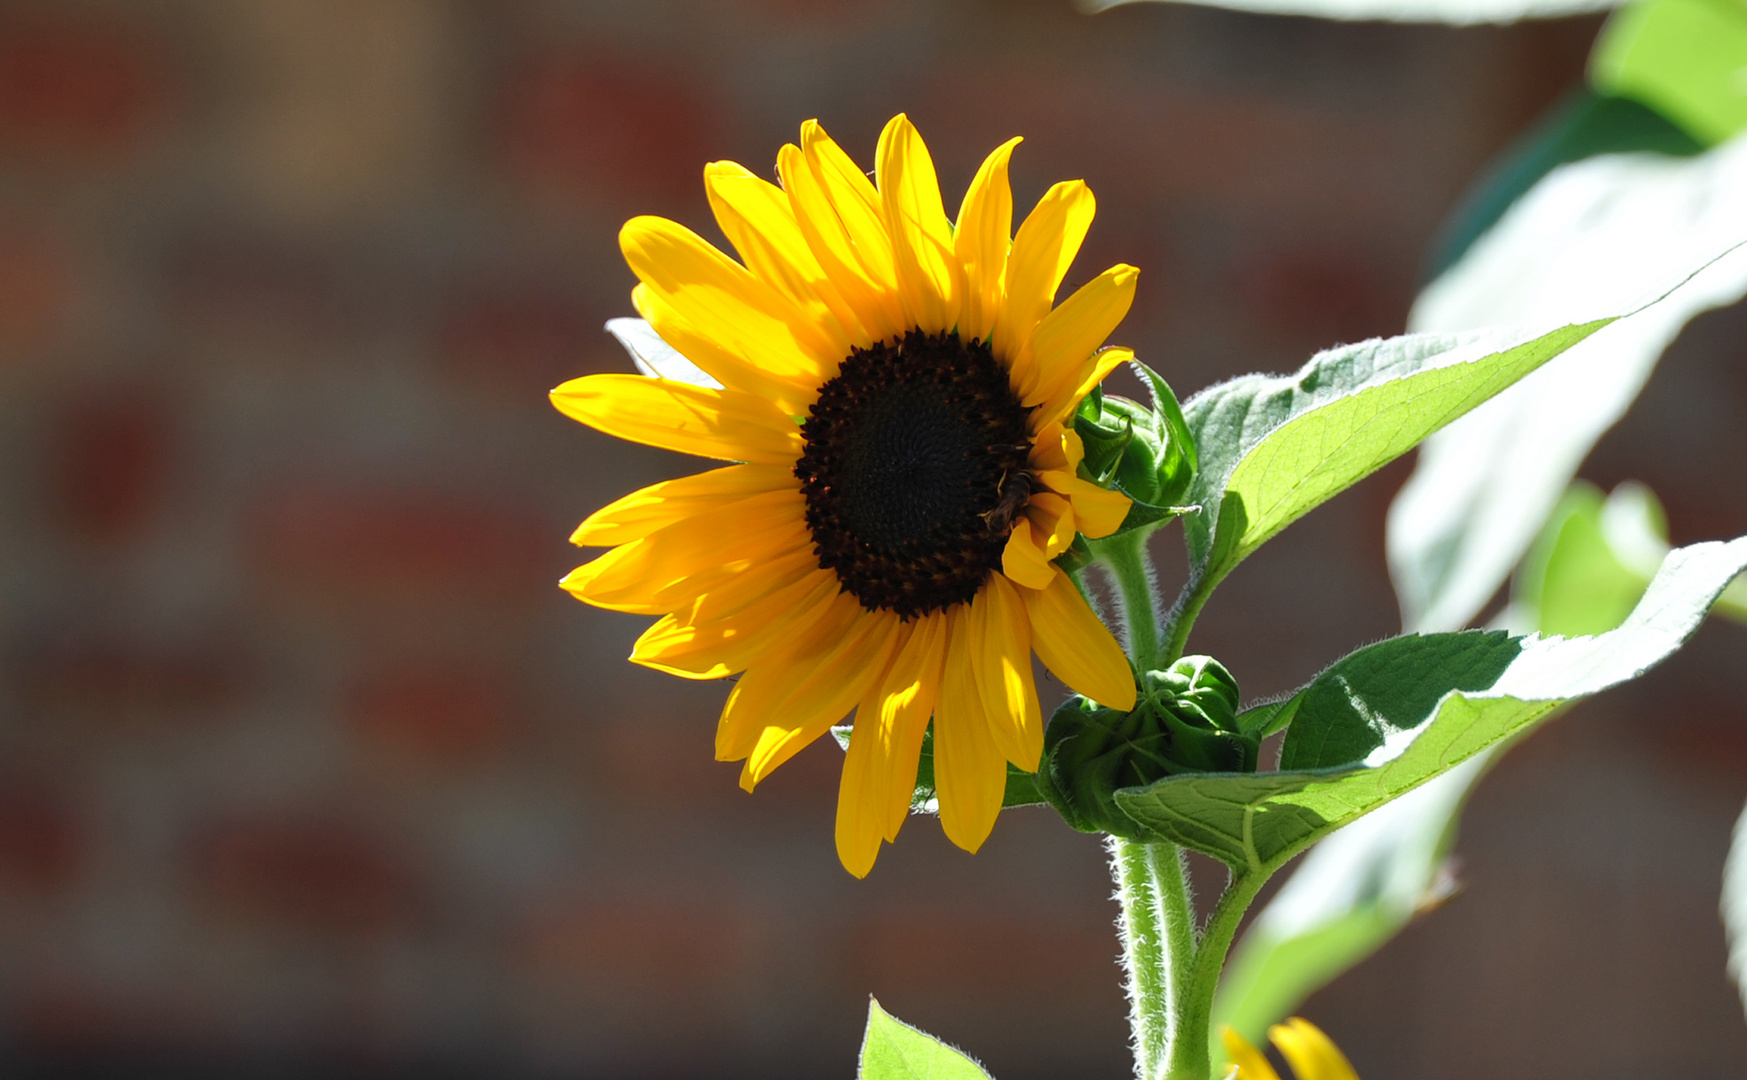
[1125,557]
[1159,955]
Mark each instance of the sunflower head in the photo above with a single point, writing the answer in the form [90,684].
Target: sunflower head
[894,393]
[1312,1055]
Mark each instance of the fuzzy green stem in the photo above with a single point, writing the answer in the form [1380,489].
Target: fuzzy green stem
[1159,954]
[1125,557]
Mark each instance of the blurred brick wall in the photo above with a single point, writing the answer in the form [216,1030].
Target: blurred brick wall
[307,766]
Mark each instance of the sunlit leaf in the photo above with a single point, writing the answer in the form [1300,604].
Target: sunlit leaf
[1681,57]
[1255,822]
[1602,236]
[1274,447]
[1353,891]
[893,1050]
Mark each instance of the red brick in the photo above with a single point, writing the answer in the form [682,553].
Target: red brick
[584,120]
[41,845]
[118,677]
[36,286]
[109,464]
[437,712]
[1321,298]
[313,872]
[347,539]
[644,947]
[983,953]
[78,89]
[524,341]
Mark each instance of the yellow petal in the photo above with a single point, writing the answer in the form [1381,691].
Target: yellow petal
[659,505]
[985,232]
[671,567]
[714,648]
[1003,673]
[1044,248]
[1071,641]
[1061,404]
[1023,559]
[816,691]
[871,298]
[879,771]
[970,775]
[759,221]
[679,416]
[726,302]
[1312,1055]
[855,205]
[1063,343]
[922,246]
[1054,516]
[1251,1065]
[792,396]
[1098,511]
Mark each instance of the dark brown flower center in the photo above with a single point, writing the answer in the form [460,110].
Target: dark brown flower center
[914,468]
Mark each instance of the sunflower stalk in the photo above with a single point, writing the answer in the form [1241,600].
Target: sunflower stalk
[1125,557]
[1172,965]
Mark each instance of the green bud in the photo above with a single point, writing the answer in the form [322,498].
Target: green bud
[1147,454]
[1184,721]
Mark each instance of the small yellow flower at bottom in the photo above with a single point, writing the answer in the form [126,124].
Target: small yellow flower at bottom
[1311,1053]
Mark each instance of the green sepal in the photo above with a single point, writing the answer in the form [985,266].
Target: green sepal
[1147,454]
[1184,721]
[1021,785]
[893,1050]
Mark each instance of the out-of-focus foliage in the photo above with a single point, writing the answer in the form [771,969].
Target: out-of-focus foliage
[1456,12]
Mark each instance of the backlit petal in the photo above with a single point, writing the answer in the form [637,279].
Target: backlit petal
[879,771]
[1003,672]
[819,691]
[693,648]
[1098,511]
[871,297]
[1075,645]
[1023,559]
[660,505]
[673,566]
[725,301]
[678,416]
[922,249]
[1044,248]
[1312,1055]
[970,774]
[1061,404]
[759,221]
[1062,345]
[1251,1065]
[984,233]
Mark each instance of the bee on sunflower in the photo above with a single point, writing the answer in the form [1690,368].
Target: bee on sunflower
[897,391]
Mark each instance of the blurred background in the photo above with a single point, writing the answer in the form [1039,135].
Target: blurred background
[308,768]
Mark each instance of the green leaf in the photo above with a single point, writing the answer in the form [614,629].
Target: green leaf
[1274,447]
[1457,12]
[1682,57]
[1573,582]
[893,1050]
[1352,892]
[1257,822]
[1591,238]
[1734,904]
[1583,125]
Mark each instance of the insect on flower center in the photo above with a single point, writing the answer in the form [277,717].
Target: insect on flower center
[914,470]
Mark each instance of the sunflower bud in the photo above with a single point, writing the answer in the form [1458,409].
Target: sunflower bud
[1147,454]
[1185,721]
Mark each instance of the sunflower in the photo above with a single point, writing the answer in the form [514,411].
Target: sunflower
[897,392]
[1313,1055]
